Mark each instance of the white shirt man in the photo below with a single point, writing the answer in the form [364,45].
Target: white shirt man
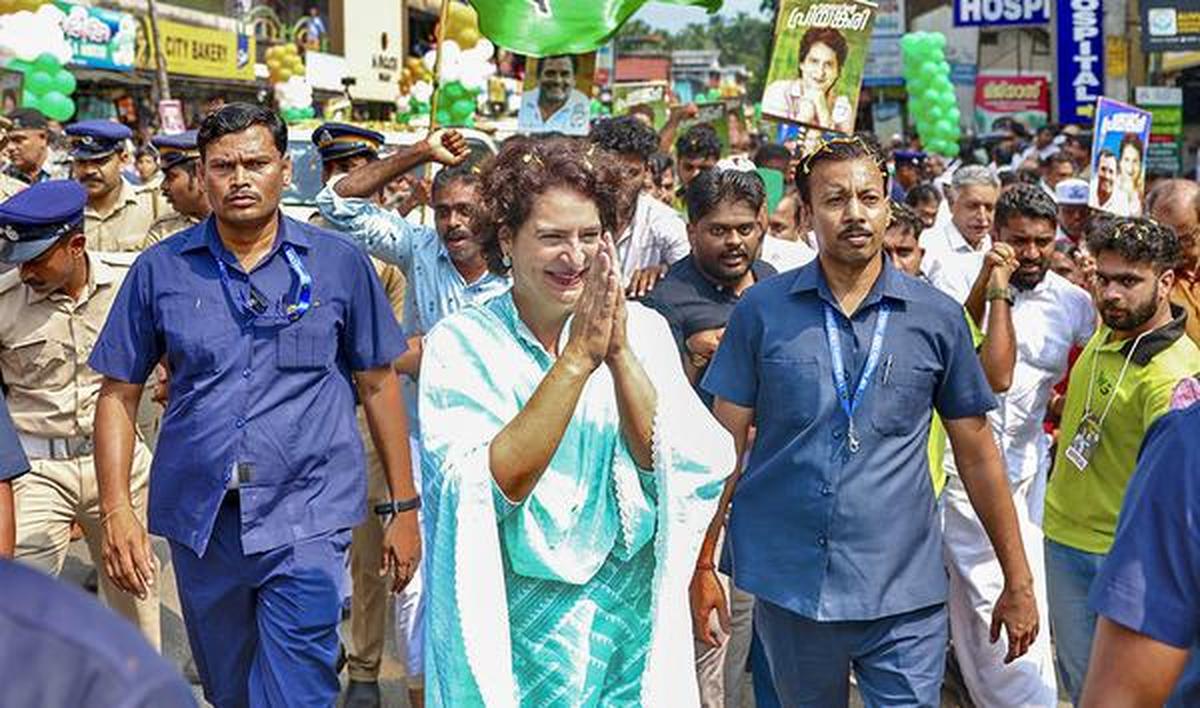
[1049,315]
[656,236]
[785,255]
[954,252]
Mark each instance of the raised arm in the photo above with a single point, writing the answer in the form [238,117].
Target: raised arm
[445,146]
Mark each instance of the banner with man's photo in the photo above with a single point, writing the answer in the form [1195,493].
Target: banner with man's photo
[557,94]
[817,64]
[1120,137]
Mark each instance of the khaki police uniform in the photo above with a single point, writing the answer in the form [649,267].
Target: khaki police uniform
[9,186]
[368,603]
[125,226]
[45,341]
[167,226]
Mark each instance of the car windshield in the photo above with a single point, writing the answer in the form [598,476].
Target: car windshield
[306,174]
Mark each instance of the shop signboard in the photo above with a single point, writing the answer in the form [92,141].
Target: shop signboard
[1170,25]
[1025,98]
[1000,13]
[99,38]
[1165,104]
[198,51]
[885,66]
[1080,77]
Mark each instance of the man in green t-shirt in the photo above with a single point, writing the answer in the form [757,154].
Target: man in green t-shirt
[1121,383]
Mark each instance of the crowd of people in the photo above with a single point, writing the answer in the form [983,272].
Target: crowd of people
[640,419]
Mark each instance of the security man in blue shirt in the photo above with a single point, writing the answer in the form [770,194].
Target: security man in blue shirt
[834,526]
[13,464]
[263,321]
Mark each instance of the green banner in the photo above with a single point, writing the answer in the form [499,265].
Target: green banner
[551,27]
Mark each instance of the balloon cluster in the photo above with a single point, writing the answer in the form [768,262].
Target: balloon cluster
[413,73]
[295,99]
[931,100]
[414,102]
[284,62]
[34,44]
[456,105]
[462,25]
[472,67]
[292,91]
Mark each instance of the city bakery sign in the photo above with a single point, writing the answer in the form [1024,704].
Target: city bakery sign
[198,51]
[1080,79]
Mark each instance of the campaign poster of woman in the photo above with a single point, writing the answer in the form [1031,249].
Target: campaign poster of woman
[1121,136]
[817,65]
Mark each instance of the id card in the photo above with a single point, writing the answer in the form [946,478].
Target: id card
[1084,444]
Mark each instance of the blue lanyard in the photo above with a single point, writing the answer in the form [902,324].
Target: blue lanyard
[841,380]
[254,306]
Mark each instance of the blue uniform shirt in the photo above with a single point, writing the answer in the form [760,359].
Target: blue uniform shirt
[1150,581]
[12,455]
[276,400]
[62,648]
[827,534]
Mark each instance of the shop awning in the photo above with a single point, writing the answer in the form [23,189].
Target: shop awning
[113,78]
[1178,61]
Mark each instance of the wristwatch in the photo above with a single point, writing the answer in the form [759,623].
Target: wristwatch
[995,293]
[398,507]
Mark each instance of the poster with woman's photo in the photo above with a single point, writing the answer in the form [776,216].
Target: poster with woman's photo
[817,65]
[1120,138]
[557,94]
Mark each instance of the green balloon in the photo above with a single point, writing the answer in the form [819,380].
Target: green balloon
[29,100]
[39,82]
[64,82]
[462,109]
[453,91]
[444,117]
[954,115]
[19,65]
[48,63]
[57,106]
[307,112]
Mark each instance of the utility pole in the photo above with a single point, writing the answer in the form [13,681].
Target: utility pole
[160,63]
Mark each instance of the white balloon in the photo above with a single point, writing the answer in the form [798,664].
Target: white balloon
[430,59]
[422,91]
[484,48]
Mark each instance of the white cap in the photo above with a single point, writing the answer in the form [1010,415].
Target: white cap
[1072,191]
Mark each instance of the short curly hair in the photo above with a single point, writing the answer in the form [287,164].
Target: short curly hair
[525,169]
[701,140]
[625,135]
[1027,200]
[1138,240]
[903,216]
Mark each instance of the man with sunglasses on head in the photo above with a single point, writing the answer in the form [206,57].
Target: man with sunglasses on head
[269,327]
[49,317]
[842,581]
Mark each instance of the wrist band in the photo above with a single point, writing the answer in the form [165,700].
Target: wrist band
[398,507]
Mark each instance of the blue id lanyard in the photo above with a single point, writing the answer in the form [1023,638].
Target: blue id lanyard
[255,306]
[841,379]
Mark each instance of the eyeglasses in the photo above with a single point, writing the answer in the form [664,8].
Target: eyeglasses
[827,145]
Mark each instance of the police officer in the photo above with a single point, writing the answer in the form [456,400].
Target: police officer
[28,147]
[259,477]
[178,158]
[117,217]
[343,148]
[49,319]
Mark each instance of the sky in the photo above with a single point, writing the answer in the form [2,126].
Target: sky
[674,17]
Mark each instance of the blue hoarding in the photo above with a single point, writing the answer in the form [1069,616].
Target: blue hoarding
[1080,78]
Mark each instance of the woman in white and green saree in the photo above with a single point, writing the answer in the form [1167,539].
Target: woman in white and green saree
[569,468]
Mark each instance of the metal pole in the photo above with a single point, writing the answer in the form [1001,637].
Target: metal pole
[160,64]
[444,19]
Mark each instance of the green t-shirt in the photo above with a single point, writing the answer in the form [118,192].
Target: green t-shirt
[937,431]
[1082,506]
